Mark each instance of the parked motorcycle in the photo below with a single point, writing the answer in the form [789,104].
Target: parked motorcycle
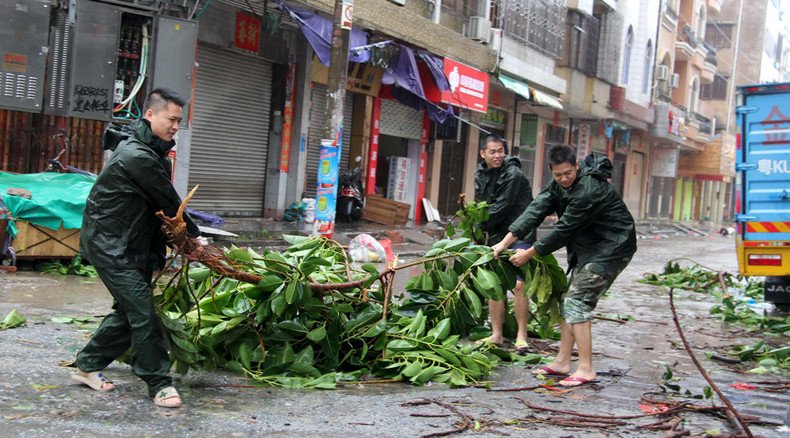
[349,201]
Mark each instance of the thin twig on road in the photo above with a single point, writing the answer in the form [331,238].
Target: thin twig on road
[702,371]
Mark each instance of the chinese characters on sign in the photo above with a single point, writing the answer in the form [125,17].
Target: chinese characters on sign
[468,86]
[90,99]
[583,140]
[285,146]
[768,167]
[248,32]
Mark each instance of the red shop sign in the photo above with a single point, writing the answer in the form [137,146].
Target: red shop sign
[468,86]
[248,32]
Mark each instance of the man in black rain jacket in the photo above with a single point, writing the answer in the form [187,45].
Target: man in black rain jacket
[600,236]
[121,237]
[500,182]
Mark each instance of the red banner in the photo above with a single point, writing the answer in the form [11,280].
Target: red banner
[423,169]
[373,153]
[248,32]
[285,146]
[468,86]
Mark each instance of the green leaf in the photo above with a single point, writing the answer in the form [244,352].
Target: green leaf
[270,282]
[400,345]
[450,233]
[184,344]
[412,369]
[239,255]
[441,331]
[708,392]
[317,334]
[13,320]
[293,239]
[62,320]
[290,292]
[475,306]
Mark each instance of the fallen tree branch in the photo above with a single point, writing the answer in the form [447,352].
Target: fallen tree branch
[702,371]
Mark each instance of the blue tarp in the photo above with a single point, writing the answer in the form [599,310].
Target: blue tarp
[58,198]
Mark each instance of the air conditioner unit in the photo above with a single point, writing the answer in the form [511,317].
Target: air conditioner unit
[479,29]
[662,73]
[674,81]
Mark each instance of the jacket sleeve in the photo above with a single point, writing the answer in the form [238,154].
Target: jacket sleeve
[152,178]
[582,209]
[499,209]
[543,205]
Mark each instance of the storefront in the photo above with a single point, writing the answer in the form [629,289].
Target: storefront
[231,120]
[398,162]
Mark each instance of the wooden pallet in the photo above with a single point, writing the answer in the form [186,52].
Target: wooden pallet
[385,211]
[34,241]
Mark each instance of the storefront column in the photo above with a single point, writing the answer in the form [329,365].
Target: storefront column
[301,124]
[470,162]
[434,172]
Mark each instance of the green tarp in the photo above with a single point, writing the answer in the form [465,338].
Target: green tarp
[58,198]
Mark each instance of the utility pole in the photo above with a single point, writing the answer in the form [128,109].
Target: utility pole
[332,143]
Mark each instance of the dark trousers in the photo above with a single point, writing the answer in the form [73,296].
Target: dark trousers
[133,323]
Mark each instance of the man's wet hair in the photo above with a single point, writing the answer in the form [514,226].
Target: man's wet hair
[493,138]
[561,153]
[157,99]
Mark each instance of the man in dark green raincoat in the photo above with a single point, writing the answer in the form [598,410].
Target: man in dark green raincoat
[500,182]
[599,233]
[121,237]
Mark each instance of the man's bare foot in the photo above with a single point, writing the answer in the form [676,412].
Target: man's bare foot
[578,378]
[490,340]
[552,369]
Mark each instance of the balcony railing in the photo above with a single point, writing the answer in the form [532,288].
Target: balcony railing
[687,35]
[538,23]
[705,124]
[710,57]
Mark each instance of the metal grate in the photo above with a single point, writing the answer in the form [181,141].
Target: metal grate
[399,120]
[538,23]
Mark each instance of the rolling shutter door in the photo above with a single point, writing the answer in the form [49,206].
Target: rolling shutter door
[400,121]
[316,133]
[230,132]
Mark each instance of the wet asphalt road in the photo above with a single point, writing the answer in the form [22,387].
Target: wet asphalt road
[38,399]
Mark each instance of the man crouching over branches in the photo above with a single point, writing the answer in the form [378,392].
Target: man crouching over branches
[599,234]
[121,237]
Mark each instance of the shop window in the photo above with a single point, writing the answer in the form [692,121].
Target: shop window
[529,130]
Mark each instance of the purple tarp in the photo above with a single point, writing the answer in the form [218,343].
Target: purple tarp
[318,31]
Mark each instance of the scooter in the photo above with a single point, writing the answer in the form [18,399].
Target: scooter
[349,201]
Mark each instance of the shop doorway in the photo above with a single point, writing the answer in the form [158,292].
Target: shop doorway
[451,178]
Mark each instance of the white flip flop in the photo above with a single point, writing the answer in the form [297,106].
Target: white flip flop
[94,379]
[165,394]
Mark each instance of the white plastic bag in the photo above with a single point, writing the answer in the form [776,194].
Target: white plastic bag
[309,211]
[364,249]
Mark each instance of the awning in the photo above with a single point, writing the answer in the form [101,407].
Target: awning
[542,98]
[515,86]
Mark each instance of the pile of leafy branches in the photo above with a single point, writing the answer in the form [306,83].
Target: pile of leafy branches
[734,294]
[75,267]
[282,332]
